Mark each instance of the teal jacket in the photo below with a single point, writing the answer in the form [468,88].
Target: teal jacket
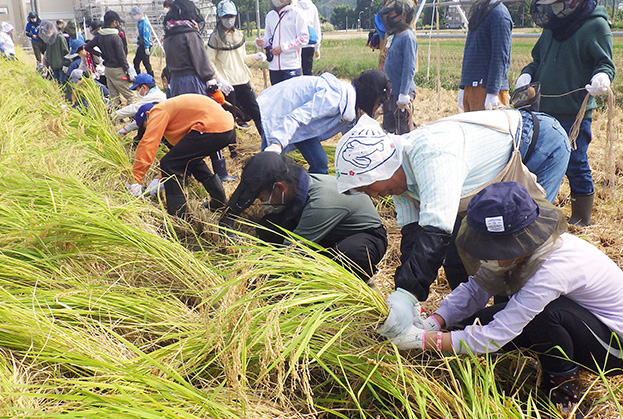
[565,66]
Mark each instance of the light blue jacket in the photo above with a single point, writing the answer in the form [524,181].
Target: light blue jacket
[144,31]
[306,107]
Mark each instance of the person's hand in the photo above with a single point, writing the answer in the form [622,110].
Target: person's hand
[226,88]
[523,80]
[459,98]
[317,54]
[599,84]
[260,56]
[412,338]
[403,101]
[147,51]
[155,187]
[401,304]
[275,148]
[492,101]
[259,42]
[122,131]
[430,324]
[276,50]
[135,189]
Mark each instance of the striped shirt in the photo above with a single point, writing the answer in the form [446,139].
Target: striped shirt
[444,161]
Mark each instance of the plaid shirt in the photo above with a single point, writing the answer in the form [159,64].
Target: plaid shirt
[444,161]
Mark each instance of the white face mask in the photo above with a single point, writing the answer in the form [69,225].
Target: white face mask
[228,22]
[278,4]
[135,18]
[494,266]
[271,208]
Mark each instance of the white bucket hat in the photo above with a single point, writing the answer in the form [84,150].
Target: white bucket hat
[366,154]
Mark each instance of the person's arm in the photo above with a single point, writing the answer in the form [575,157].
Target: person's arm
[280,129]
[212,55]
[302,34]
[501,34]
[146,34]
[199,57]
[119,51]
[315,228]
[29,31]
[600,51]
[148,146]
[463,302]
[408,64]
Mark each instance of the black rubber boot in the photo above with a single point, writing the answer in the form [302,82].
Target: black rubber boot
[581,208]
[563,388]
[220,168]
[176,205]
[214,186]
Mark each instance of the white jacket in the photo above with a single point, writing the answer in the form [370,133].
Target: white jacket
[291,35]
[155,95]
[310,13]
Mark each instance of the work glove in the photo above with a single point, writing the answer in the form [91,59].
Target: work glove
[402,304]
[275,148]
[429,324]
[599,84]
[226,88]
[492,101]
[317,54]
[147,51]
[523,80]
[459,98]
[403,101]
[155,187]
[135,189]
[122,131]
[260,56]
[412,338]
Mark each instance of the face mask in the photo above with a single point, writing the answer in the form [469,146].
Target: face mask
[493,266]
[278,4]
[136,18]
[229,22]
[270,208]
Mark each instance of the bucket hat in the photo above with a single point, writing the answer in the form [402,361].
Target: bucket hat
[504,222]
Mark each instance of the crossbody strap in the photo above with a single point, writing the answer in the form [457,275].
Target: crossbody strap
[270,41]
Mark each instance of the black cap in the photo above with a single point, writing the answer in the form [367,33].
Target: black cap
[371,85]
[258,174]
[110,16]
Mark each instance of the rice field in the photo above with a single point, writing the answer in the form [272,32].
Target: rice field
[112,309]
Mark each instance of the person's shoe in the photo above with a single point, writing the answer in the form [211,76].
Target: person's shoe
[242,124]
[214,187]
[581,208]
[220,169]
[563,388]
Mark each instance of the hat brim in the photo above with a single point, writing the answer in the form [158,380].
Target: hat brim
[480,245]
[242,198]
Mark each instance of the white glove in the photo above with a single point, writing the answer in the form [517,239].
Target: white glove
[317,54]
[155,187]
[260,56]
[429,324]
[275,148]
[402,304]
[403,101]
[226,88]
[122,131]
[147,51]
[523,80]
[492,101]
[459,98]
[413,338]
[212,82]
[135,189]
[599,84]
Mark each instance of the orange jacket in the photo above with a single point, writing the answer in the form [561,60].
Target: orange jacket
[173,119]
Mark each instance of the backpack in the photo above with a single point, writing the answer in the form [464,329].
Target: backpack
[374,40]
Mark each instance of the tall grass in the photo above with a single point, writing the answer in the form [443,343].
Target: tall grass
[107,314]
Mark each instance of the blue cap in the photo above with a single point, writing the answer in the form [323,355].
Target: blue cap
[225,8]
[140,115]
[142,78]
[75,44]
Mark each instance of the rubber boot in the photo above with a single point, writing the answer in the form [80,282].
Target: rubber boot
[233,153]
[562,388]
[176,205]
[581,208]
[220,168]
[214,186]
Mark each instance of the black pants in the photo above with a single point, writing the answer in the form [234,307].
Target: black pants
[142,57]
[187,157]
[307,60]
[360,252]
[243,96]
[280,75]
[38,47]
[564,330]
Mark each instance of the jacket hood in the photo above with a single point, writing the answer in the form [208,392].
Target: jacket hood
[600,11]
[304,4]
[108,31]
